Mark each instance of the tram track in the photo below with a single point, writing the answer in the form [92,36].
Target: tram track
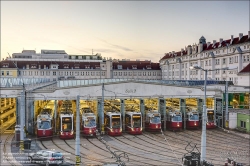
[214,138]
[217,148]
[147,152]
[106,151]
[6,153]
[85,156]
[182,152]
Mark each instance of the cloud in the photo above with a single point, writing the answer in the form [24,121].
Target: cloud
[116,46]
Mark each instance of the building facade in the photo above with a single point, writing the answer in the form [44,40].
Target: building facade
[232,53]
[58,65]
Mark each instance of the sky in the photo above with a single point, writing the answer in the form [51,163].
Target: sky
[144,30]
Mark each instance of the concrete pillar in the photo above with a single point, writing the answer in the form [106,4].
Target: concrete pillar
[123,114]
[142,109]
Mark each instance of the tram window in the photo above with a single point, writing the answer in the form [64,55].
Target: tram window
[127,120]
[107,121]
[136,121]
[194,117]
[90,123]
[177,118]
[44,125]
[116,123]
[66,124]
[155,119]
[210,117]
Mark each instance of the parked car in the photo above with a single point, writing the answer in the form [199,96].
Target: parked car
[47,157]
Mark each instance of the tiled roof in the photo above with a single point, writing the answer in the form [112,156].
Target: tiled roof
[217,45]
[80,65]
[139,64]
[246,69]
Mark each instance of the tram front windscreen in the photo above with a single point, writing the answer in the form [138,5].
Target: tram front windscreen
[66,124]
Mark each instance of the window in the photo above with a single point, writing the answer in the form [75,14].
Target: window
[148,67]
[125,73]
[66,66]
[224,61]
[217,61]
[242,124]
[54,73]
[87,66]
[33,66]
[2,73]
[119,66]
[115,73]
[77,66]
[230,60]
[5,65]
[236,59]
[134,66]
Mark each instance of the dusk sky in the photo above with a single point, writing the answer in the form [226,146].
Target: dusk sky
[142,30]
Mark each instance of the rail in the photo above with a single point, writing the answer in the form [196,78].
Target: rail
[69,83]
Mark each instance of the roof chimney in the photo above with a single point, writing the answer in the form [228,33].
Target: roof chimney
[240,35]
[248,34]
[232,38]
[214,41]
[221,40]
[208,43]
[182,50]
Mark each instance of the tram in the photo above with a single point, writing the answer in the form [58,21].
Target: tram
[211,123]
[153,121]
[192,119]
[88,123]
[66,124]
[113,123]
[133,122]
[45,123]
[174,120]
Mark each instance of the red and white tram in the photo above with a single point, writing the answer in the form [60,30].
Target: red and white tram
[45,123]
[174,120]
[133,122]
[192,119]
[113,123]
[153,121]
[211,120]
[88,123]
[66,124]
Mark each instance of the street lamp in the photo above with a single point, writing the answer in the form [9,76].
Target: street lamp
[204,112]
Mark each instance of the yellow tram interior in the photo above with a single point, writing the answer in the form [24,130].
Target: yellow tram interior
[7,115]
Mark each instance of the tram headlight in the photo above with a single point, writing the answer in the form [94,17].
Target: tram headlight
[111,130]
[90,130]
[141,129]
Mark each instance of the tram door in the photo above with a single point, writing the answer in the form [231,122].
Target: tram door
[219,111]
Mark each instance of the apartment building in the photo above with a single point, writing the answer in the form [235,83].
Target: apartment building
[58,65]
[233,53]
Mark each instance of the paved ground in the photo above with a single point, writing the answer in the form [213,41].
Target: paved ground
[147,149]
